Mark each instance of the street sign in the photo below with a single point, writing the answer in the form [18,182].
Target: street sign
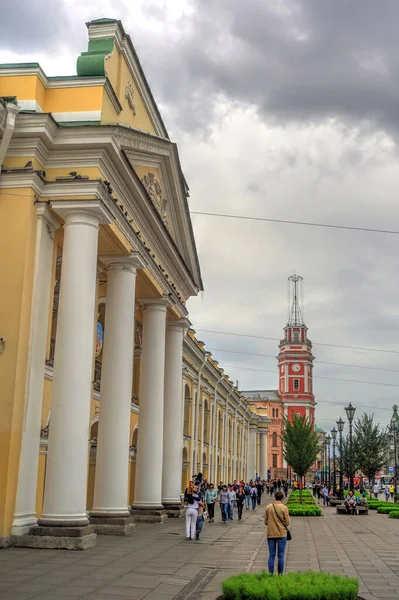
[390,470]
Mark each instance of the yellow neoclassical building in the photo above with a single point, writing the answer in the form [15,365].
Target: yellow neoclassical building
[108,404]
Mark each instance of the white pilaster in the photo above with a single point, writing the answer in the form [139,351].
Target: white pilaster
[148,486]
[263,455]
[202,433]
[66,475]
[25,508]
[172,441]
[234,449]
[215,466]
[111,481]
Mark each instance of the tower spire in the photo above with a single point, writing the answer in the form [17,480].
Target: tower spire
[295,315]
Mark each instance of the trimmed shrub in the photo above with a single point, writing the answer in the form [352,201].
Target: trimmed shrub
[293,586]
[394,514]
[385,510]
[304,511]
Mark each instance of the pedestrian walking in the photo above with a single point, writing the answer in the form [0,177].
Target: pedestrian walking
[253,493]
[211,497]
[271,488]
[277,521]
[240,499]
[232,501]
[285,487]
[200,522]
[247,492]
[386,492]
[391,490]
[192,501]
[324,492]
[376,489]
[224,503]
[259,489]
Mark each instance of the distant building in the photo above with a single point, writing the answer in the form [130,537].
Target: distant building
[295,391]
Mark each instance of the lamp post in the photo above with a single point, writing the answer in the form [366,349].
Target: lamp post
[350,413]
[340,425]
[325,460]
[322,465]
[328,440]
[334,441]
[394,428]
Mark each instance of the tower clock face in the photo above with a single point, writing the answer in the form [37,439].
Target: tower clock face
[296,367]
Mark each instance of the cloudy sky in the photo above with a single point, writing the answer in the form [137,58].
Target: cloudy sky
[282,109]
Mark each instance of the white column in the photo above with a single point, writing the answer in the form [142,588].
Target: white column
[215,464]
[148,486]
[196,437]
[223,466]
[112,462]
[252,452]
[234,449]
[172,441]
[242,470]
[66,474]
[202,433]
[263,455]
[25,507]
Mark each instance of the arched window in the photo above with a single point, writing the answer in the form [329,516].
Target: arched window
[296,336]
[187,410]
[273,412]
[276,412]
[274,439]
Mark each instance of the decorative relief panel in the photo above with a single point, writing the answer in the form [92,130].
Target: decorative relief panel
[129,95]
[155,192]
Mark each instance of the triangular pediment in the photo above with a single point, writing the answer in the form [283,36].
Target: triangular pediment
[156,164]
[128,99]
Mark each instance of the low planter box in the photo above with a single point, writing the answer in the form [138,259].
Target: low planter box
[293,586]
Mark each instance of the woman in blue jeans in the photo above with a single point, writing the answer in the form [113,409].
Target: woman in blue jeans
[277,521]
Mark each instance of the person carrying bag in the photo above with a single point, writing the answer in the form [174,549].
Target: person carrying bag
[277,521]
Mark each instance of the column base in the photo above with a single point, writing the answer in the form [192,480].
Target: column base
[23,524]
[113,525]
[57,538]
[175,510]
[149,514]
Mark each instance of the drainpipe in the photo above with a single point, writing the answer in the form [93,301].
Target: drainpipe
[12,111]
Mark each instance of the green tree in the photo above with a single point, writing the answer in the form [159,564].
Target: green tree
[301,445]
[370,446]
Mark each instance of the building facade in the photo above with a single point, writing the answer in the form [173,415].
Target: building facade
[109,404]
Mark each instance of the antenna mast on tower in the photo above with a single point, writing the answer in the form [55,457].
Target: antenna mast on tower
[295,314]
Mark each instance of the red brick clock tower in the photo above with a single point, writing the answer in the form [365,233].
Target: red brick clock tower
[295,359]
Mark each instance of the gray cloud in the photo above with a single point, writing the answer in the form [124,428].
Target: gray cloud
[34,26]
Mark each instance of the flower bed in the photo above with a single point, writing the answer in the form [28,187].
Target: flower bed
[293,586]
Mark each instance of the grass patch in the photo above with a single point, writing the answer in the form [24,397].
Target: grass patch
[293,586]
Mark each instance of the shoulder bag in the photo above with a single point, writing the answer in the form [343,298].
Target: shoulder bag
[289,535]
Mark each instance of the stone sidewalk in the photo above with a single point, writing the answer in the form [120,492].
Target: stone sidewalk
[157,563]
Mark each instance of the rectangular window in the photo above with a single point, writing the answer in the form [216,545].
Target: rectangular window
[296,385]
[275,461]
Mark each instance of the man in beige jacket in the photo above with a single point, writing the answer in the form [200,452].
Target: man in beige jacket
[277,521]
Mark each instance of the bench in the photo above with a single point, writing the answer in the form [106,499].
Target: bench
[361,510]
[335,501]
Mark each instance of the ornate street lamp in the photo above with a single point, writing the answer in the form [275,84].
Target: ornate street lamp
[340,425]
[334,441]
[394,429]
[328,440]
[350,413]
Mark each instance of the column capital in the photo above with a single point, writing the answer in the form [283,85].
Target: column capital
[43,212]
[182,324]
[88,212]
[130,262]
[161,303]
